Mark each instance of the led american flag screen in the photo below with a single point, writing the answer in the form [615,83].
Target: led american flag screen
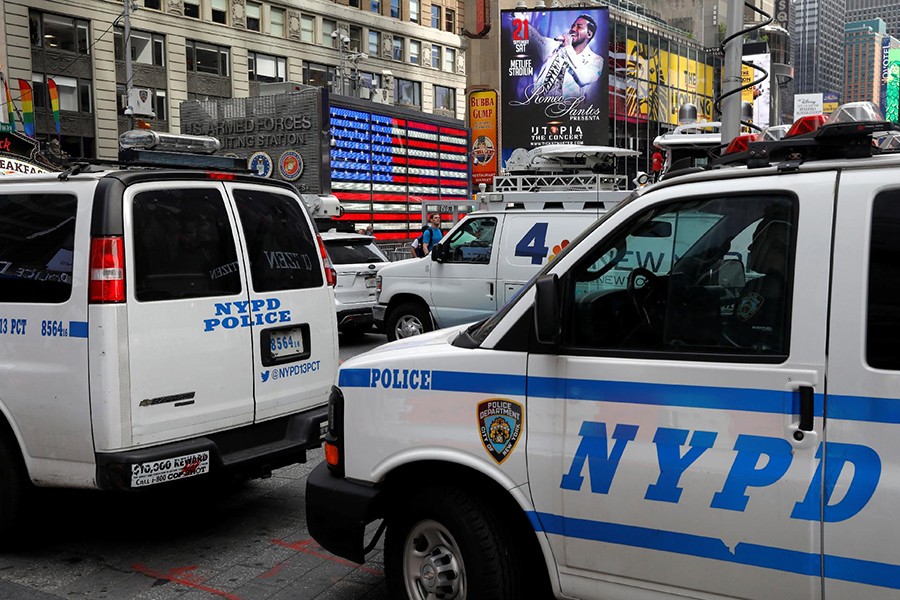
[383,168]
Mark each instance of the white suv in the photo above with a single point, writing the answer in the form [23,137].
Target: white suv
[356,260]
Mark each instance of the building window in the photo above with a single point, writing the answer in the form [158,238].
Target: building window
[450,20]
[354,3]
[398,48]
[317,75]
[415,49]
[276,21]
[375,6]
[192,8]
[59,33]
[265,68]
[435,16]
[395,9]
[154,4]
[444,98]
[435,57]
[207,58]
[356,38]
[449,59]
[414,11]
[370,80]
[329,27]
[146,48]
[74,94]
[374,43]
[254,16]
[220,11]
[408,93]
[307,29]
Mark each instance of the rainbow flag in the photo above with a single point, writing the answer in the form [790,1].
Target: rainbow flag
[54,103]
[9,106]
[27,107]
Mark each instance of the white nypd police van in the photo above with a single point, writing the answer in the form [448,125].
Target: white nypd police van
[157,325]
[727,425]
[551,194]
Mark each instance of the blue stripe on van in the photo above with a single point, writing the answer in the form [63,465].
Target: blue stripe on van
[848,408]
[78,329]
[862,408]
[754,555]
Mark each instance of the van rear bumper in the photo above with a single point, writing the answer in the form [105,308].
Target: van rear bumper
[337,512]
[251,451]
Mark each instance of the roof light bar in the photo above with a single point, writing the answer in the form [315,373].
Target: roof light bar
[740,144]
[145,139]
[804,125]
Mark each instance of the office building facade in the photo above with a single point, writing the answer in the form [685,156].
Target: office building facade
[403,52]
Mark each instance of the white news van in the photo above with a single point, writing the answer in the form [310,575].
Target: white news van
[157,325]
[725,425]
[551,195]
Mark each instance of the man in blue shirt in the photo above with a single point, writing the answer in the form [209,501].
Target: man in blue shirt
[434,233]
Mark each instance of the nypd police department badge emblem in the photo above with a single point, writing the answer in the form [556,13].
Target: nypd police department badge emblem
[749,306]
[500,424]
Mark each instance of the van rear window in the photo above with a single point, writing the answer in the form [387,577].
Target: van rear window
[37,246]
[183,245]
[354,251]
[284,255]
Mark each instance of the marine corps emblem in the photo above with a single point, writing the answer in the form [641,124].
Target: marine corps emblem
[749,306]
[500,424]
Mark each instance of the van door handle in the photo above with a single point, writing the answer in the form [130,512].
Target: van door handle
[490,291]
[806,408]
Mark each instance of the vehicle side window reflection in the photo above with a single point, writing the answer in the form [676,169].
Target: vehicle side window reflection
[472,242]
[709,276]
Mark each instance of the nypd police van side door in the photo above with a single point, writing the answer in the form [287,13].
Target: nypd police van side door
[291,314]
[687,404]
[463,285]
[862,492]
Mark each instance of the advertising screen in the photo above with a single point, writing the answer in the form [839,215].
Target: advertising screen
[553,77]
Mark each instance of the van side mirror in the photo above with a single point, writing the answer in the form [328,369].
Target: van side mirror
[547,318]
[438,253]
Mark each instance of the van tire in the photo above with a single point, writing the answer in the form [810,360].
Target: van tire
[460,541]
[407,320]
[13,487]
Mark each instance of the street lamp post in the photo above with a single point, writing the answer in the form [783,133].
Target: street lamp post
[343,41]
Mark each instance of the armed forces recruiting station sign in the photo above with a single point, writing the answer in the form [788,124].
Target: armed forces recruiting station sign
[500,424]
[553,77]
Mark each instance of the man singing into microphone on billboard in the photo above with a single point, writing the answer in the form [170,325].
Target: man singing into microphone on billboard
[569,64]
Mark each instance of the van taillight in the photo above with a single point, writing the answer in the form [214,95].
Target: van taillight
[330,273]
[107,270]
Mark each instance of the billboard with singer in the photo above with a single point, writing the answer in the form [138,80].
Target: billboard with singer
[553,77]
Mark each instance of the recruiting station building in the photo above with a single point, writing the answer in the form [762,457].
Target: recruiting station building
[382,162]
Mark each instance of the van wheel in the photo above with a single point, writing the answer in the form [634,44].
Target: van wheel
[12,491]
[448,545]
[406,321]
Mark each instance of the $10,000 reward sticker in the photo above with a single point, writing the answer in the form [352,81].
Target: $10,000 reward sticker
[169,469]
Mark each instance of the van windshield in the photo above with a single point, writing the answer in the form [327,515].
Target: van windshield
[481,330]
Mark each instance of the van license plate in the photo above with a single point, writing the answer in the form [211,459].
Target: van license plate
[286,342]
[169,469]
[370,281]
